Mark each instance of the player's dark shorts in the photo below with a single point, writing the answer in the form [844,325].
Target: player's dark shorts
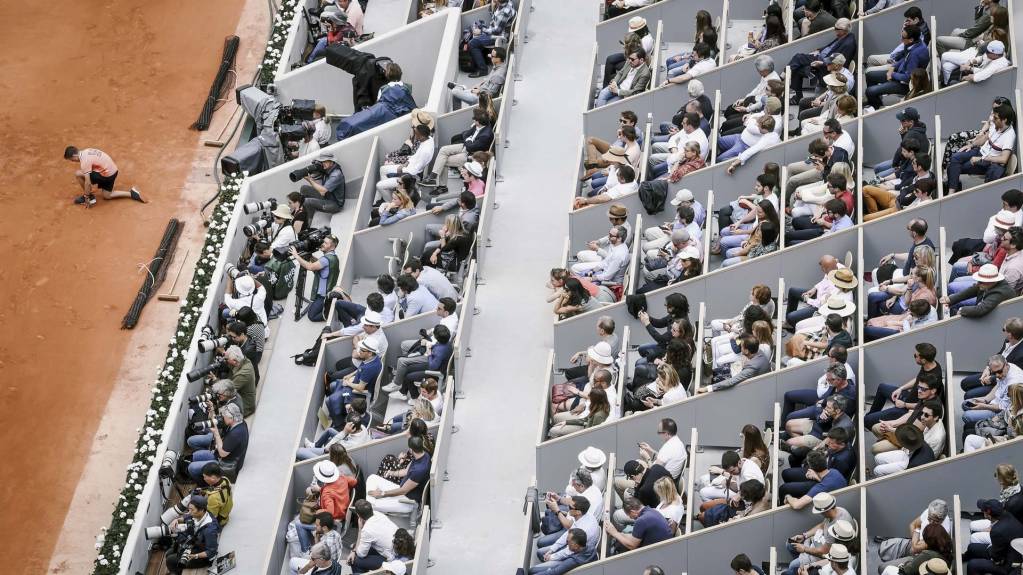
[103,182]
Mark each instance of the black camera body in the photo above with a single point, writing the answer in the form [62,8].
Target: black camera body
[314,169]
[310,240]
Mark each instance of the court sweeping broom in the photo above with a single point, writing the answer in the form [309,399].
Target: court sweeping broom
[171,296]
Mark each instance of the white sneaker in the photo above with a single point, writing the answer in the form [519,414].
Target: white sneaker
[391,387]
[397,395]
[308,444]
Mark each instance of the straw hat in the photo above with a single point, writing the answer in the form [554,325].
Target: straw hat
[823,502]
[843,278]
[834,80]
[616,154]
[1004,219]
[988,273]
[838,553]
[282,212]
[326,472]
[935,566]
[842,530]
[636,23]
[421,117]
[838,305]
[600,353]
[592,457]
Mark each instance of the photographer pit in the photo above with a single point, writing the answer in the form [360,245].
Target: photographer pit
[324,189]
[194,536]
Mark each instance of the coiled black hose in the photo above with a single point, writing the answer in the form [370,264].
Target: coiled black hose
[219,84]
[155,272]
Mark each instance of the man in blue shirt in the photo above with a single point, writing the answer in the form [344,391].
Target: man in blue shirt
[742,565]
[326,192]
[385,495]
[413,368]
[838,457]
[825,479]
[895,78]
[650,526]
[413,298]
[579,550]
[356,384]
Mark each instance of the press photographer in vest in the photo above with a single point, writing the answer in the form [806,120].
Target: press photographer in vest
[324,191]
[326,268]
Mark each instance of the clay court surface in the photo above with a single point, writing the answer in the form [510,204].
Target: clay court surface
[128,77]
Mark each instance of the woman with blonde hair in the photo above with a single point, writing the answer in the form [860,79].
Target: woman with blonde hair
[665,390]
[672,507]
[454,246]
[1008,480]
[399,208]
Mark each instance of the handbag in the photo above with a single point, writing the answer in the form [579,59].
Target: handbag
[560,392]
[307,512]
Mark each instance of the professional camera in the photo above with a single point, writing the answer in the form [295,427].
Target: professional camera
[198,401]
[208,345]
[258,226]
[309,240]
[299,111]
[160,531]
[314,169]
[169,464]
[204,426]
[234,272]
[253,207]
[201,372]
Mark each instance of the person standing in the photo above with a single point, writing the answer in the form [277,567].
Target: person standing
[98,169]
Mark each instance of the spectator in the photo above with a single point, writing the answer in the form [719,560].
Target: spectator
[672,505]
[825,157]
[812,64]
[800,479]
[810,106]
[1004,253]
[415,165]
[638,482]
[387,497]
[561,552]
[648,526]
[889,458]
[375,543]
[722,483]
[575,552]
[828,109]
[816,18]
[816,296]
[334,496]
[742,565]
[1005,425]
[670,153]
[479,137]
[824,479]
[633,78]
[755,363]
[815,339]
[809,545]
[327,539]
[596,147]
[930,537]
[500,25]
[765,214]
[196,546]
[951,60]
[752,498]
[737,219]
[921,253]
[999,555]
[983,67]
[701,62]
[764,65]
[979,384]
[838,560]
[1010,498]
[357,382]
[759,134]
[492,85]
[572,298]
[905,397]
[961,37]
[626,185]
[598,410]
[990,290]
[978,409]
[1009,216]
[771,35]
[413,297]
[672,454]
[988,153]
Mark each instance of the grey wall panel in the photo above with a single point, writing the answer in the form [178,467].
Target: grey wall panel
[672,556]
[712,551]
[728,187]
[371,245]
[889,234]
[725,291]
[352,154]
[965,214]
[913,491]
[881,136]
[965,106]
[558,458]
[973,341]
[719,418]
[799,267]
[951,15]
[452,123]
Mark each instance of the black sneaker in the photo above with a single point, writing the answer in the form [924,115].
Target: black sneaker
[439,190]
[478,74]
[135,195]
[87,201]
[451,85]
[429,181]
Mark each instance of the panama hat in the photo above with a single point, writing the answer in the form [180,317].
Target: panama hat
[616,154]
[834,80]
[838,305]
[592,457]
[988,273]
[326,472]
[282,212]
[842,278]
[421,117]
[1004,219]
[474,168]
[935,566]
[371,318]
[636,23]
[617,211]
[600,353]
[842,530]
[822,502]
[838,552]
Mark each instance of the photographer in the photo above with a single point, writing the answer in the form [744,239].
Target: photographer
[326,191]
[217,490]
[282,233]
[197,545]
[224,394]
[228,449]
[250,293]
[261,255]
[254,328]
[299,217]
[243,378]
[237,333]
[327,269]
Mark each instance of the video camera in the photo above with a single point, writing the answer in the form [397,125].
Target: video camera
[314,169]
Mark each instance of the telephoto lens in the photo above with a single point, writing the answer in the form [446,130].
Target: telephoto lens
[169,464]
[254,207]
[208,345]
[233,271]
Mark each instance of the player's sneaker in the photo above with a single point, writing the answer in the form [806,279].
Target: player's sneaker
[135,195]
[87,201]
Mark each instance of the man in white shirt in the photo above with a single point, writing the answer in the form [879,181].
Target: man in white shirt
[996,400]
[704,63]
[672,455]
[627,185]
[929,421]
[668,153]
[983,67]
[737,145]
[988,153]
[813,297]
[434,281]
[578,517]
[376,537]
[612,268]
[764,65]
[416,165]
[734,471]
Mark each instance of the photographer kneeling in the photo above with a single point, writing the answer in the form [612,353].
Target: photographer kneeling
[229,449]
[197,544]
[325,188]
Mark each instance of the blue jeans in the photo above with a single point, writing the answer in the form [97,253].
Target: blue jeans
[973,388]
[732,241]
[876,307]
[198,442]
[881,168]
[370,562]
[871,333]
[972,416]
[960,164]
[348,313]
[878,85]
[732,146]
[732,260]
[959,269]
[605,97]
[318,51]
[305,534]
[797,396]
[806,413]
[476,50]
[202,457]
[598,181]
[659,170]
[315,310]
[961,284]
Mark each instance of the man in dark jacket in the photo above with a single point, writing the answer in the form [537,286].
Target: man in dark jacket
[813,64]
[895,79]
[478,138]
[911,129]
[999,556]
[990,290]
[197,545]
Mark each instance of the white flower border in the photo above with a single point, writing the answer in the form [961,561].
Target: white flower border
[111,540]
[275,43]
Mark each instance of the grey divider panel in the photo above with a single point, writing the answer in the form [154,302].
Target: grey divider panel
[720,289]
[892,360]
[972,341]
[718,416]
[968,217]
[413,47]
[679,17]
[298,38]
[452,123]
[881,136]
[279,552]
[504,117]
[332,352]
[421,560]
[745,11]
[442,445]
[965,106]
[465,320]
[486,217]
[371,246]
[711,552]
[886,235]
[526,558]
[952,15]
[363,205]
[522,25]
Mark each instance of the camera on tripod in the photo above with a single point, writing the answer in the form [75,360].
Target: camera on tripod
[253,207]
[314,169]
[201,372]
